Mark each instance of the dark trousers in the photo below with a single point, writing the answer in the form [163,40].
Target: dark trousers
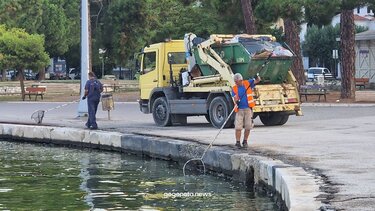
[92,105]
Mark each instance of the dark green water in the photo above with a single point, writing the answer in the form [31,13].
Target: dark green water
[36,177]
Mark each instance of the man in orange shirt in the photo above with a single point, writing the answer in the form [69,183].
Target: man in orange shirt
[243,96]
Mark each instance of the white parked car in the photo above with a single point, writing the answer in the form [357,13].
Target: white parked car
[10,75]
[109,77]
[314,72]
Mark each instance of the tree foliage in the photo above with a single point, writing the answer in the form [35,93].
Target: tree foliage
[291,11]
[320,12]
[122,27]
[319,43]
[22,51]
[52,18]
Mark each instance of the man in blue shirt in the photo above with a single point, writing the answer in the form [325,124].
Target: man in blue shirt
[93,88]
[243,96]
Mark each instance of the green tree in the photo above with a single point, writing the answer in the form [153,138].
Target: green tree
[320,12]
[26,14]
[73,29]
[181,19]
[57,20]
[292,13]
[227,14]
[319,43]
[22,51]
[53,27]
[123,29]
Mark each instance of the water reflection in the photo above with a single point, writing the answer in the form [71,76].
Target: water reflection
[36,177]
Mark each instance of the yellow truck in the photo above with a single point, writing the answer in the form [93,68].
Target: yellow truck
[194,77]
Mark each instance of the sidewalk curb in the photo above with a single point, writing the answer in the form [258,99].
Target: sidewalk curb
[298,189]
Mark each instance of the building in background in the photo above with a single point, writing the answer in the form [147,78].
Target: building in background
[365,65]
[365,55]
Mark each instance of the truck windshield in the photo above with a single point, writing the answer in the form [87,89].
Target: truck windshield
[178,57]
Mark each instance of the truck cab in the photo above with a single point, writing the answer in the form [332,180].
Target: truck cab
[155,69]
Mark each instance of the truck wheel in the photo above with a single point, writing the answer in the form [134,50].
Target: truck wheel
[219,111]
[208,118]
[271,119]
[284,119]
[161,113]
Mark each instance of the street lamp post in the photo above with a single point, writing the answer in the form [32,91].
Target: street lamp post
[85,55]
[102,67]
[335,56]
[101,56]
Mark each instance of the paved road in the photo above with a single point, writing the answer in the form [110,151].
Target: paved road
[339,141]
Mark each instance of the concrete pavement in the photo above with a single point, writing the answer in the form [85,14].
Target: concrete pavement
[332,141]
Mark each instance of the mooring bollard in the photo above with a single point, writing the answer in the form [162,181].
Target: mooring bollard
[108,104]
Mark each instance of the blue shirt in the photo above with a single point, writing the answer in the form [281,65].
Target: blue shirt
[242,94]
[94,88]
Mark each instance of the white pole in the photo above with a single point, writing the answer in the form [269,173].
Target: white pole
[85,55]
[102,66]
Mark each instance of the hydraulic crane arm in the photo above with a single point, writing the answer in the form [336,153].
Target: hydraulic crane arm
[209,56]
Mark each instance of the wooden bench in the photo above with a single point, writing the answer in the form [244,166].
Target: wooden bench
[313,90]
[361,82]
[37,91]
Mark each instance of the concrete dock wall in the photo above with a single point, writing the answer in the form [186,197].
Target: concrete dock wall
[298,189]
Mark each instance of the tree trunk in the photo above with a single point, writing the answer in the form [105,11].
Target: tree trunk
[22,84]
[4,75]
[42,74]
[248,15]
[292,31]
[347,43]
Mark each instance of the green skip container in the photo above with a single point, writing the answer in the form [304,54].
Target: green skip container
[238,58]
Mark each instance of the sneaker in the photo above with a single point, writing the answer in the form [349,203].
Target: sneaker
[244,144]
[93,128]
[87,126]
[238,144]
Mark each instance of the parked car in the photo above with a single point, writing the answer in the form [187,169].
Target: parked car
[58,75]
[314,72]
[74,73]
[9,75]
[29,76]
[109,77]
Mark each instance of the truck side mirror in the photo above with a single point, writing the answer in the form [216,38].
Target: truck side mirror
[137,62]
[136,65]
[170,58]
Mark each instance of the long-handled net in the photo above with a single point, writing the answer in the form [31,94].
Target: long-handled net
[38,115]
[200,159]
